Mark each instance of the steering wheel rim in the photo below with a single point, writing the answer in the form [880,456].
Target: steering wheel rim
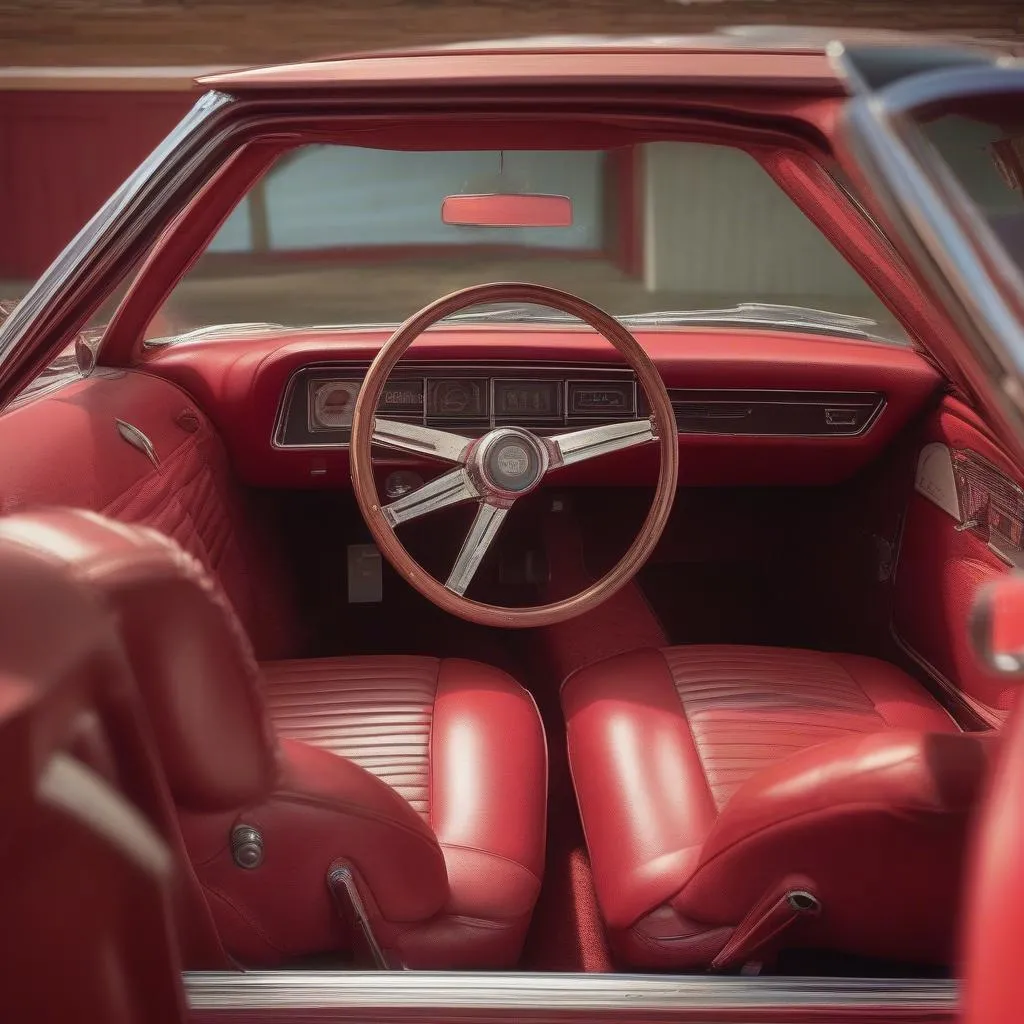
[479,463]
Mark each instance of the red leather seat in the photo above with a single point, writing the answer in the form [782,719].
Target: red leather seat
[425,778]
[739,799]
[88,907]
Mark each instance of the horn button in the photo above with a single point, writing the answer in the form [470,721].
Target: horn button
[509,462]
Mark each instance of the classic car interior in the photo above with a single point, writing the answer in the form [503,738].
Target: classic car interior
[529,635]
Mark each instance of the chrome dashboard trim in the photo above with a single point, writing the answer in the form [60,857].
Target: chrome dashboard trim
[497,370]
[500,370]
[850,397]
[431,996]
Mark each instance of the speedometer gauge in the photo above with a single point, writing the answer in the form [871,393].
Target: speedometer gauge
[331,403]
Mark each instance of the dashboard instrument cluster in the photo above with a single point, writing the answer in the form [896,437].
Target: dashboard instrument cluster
[316,408]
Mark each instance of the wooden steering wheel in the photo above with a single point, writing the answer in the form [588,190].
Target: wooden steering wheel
[505,464]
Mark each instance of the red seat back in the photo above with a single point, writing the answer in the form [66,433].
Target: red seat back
[88,882]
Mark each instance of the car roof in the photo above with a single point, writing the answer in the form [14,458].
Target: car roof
[762,56]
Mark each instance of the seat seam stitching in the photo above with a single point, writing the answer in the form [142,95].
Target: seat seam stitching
[495,856]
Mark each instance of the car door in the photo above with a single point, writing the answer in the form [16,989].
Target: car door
[935,142]
[934,139]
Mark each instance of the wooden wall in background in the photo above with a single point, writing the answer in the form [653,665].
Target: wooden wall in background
[66,150]
[64,154]
[109,32]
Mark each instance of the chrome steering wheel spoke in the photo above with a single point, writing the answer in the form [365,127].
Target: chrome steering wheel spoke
[415,439]
[592,442]
[481,535]
[449,488]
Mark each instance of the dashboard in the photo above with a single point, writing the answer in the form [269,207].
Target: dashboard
[316,408]
[754,408]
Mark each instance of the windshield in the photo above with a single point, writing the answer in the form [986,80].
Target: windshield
[661,235]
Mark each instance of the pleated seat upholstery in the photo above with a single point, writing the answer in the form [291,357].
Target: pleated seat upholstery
[715,781]
[462,744]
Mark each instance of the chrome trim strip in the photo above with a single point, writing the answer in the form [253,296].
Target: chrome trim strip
[356,995]
[451,488]
[414,439]
[481,535]
[593,442]
[677,396]
[555,369]
[137,439]
[499,369]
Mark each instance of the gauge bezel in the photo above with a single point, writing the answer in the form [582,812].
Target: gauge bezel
[317,396]
[478,388]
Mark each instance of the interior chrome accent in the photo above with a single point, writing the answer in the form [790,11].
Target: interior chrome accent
[247,847]
[481,534]
[86,345]
[589,443]
[990,504]
[503,465]
[580,386]
[508,463]
[137,439]
[934,479]
[589,394]
[369,996]
[416,439]
[449,488]
[763,413]
[803,902]
[342,883]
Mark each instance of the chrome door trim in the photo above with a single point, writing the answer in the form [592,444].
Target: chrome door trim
[367,996]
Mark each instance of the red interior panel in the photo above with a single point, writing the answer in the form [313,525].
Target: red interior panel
[239,383]
[940,571]
[67,449]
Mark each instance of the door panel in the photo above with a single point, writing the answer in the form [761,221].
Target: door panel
[962,530]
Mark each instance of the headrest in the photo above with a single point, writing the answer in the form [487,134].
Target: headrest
[190,657]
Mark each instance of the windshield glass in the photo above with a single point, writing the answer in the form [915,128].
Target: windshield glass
[661,234]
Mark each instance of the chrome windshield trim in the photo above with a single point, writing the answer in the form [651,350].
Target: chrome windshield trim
[121,221]
[356,994]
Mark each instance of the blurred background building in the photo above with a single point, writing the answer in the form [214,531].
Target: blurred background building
[88,87]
